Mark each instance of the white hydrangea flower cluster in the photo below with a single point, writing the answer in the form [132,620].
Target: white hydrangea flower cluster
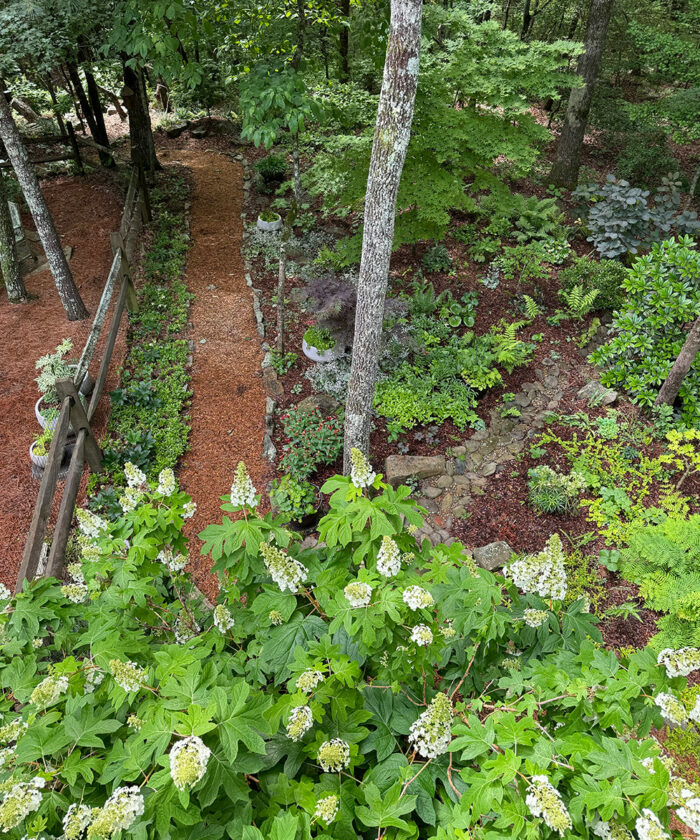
[300,721]
[430,734]
[188,761]
[361,473]
[326,808]
[308,680]
[286,572]
[358,593]
[189,509]
[275,617]
[5,593]
[93,679]
[48,691]
[175,562]
[612,831]
[117,814]
[75,592]
[649,828]
[166,482]
[448,632]
[334,755]
[186,628]
[689,811]
[20,800]
[243,489]
[417,598]
[128,675]
[422,635]
[130,498]
[388,558]
[223,620]
[694,713]
[542,573]
[90,551]
[543,800]
[11,731]
[91,525]
[75,571]
[534,618]
[672,709]
[134,722]
[6,756]
[135,477]
[680,663]
[78,817]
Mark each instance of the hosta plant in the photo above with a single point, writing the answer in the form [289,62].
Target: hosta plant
[366,687]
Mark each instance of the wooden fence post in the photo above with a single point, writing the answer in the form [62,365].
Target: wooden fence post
[54,564]
[65,388]
[147,215]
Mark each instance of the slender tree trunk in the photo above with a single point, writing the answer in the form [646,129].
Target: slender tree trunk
[76,105]
[24,109]
[392,134]
[674,380]
[54,101]
[281,278]
[68,291]
[527,19]
[74,77]
[143,150]
[101,130]
[9,267]
[114,99]
[296,169]
[344,40]
[567,161]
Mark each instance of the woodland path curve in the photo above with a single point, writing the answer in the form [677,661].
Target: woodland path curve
[228,404]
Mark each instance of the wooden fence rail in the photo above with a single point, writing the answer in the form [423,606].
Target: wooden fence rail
[68,140]
[73,418]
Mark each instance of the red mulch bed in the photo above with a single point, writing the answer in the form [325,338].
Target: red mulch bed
[85,210]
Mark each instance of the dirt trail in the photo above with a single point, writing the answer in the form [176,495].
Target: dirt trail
[228,406]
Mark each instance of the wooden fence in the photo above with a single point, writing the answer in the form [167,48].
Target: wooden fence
[67,140]
[73,417]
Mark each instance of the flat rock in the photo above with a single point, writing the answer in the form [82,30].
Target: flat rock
[445,481]
[596,394]
[176,130]
[199,132]
[400,467]
[489,469]
[273,387]
[523,400]
[318,402]
[493,556]
[431,492]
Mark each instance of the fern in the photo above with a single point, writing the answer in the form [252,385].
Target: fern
[532,309]
[578,302]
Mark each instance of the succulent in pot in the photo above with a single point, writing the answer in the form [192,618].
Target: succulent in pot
[296,500]
[319,345]
[269,221]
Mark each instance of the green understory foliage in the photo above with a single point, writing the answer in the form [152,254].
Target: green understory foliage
[366,686]
[147,426]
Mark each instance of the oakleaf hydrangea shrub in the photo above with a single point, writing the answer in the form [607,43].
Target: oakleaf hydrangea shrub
[663,297]
[368,686]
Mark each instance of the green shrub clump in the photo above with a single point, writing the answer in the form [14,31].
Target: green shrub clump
[310,440]
[663,297]
[605,276]
[553,492]
[367,686]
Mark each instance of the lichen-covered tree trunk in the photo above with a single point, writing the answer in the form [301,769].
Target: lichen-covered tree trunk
[674,380]
[391,137]
[17,153]
[9,267]
[143,150]
[567,161]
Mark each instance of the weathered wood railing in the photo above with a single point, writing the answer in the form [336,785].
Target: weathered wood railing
[73,417]
[68,140]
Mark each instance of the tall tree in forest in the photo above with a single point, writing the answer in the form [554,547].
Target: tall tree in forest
[567,161]
[674,380]
[143,150]
[9,267]
[391,137]
[67,290]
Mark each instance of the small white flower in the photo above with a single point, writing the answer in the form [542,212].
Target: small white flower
[694,713]
[534,618]
[308,680]
[689,812]
[135,478]
[19,801]
[417,598]
[78,817]
[130,498]
[175,562]
[649,828]
[90,524]
[334,755]
[48,691]
[672,709]
[388,558]
[327,808]
[5,593]
[300,721]
[361,473]
[75,592]
[243,489]
[275,617]
[680,663]
[611,831]
[431,733]
[188,761]
[358,593]
[134,722]
[542,573]
[75,570]
[93,679]
[166,482]
[185,629]
[117,814]
[223,620]
[128,675]
[543,800]
[422,635]
[189,509]
[286,572]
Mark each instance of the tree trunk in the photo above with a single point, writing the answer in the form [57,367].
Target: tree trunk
[567,161]
[344,41]
[9,267]
[296,169]
[24,109]
[391,137]
[101,131]
[68,291]
[74,76]
[674,380]
[48,84]
[527,19]
[143,150]
[114,99]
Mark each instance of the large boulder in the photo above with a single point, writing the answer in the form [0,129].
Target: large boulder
[400,467]
[323,403]
[493,556]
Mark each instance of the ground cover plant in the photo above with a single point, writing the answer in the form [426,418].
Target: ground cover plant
[340,691]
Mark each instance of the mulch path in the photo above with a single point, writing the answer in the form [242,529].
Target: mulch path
[228,407]
[85,211]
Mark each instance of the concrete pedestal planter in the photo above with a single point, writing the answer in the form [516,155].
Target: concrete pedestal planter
[269,226]
[321,356]
[40,461]
[43,422]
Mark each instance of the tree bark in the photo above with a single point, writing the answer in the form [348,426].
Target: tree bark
[114,99]
[17,153]
[74,77]
[344,41]
[567,161]
[24,109]
[674,380]
[101,131]
[391,137]
[143,149]
[9,267]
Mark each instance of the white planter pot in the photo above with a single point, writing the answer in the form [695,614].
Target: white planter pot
[43,422]
[39,460]
[270,226]
[322,356]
